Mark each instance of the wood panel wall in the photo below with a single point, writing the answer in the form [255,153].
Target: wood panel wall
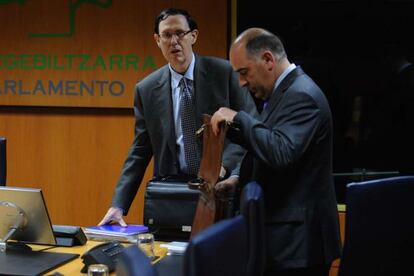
[75,154]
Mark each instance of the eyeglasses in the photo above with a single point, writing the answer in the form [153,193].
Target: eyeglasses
[178,34]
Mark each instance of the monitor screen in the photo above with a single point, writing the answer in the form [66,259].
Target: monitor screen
[25,205]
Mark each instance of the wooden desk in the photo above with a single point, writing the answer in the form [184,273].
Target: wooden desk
[74,267]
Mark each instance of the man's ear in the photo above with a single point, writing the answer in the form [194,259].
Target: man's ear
[157,39]
[269,59]
[194,36]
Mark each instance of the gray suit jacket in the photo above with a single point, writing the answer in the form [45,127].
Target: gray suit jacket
[290,155]
[215,85]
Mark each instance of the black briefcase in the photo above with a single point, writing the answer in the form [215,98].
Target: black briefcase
[169,208]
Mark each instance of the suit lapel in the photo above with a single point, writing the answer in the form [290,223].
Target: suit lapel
[280,90]
[201,83]
[163,100]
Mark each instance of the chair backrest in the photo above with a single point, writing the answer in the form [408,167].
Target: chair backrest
[219,250]
[252,209]
[132,261]
[3,161]
[379,227]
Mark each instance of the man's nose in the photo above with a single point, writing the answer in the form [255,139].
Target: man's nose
[174,39]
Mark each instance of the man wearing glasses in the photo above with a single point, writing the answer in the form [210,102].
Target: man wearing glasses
[168,107]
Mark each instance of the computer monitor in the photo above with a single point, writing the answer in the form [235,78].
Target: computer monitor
[25,210]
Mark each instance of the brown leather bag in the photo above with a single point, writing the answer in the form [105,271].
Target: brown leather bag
[209,208]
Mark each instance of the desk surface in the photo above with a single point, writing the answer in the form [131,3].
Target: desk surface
[74,267]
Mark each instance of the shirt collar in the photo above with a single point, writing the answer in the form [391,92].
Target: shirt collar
[289,69]
[176,77]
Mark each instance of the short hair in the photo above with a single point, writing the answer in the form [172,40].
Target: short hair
[265,41]
[171,11]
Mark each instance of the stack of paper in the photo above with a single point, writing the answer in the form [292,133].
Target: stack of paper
[175,247]
[112,232]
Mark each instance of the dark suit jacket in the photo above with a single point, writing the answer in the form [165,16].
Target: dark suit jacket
[290,155]
[215,85]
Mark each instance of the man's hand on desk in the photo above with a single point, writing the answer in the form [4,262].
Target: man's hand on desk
[114,214]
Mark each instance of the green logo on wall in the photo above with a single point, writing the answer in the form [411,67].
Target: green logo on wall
[61,86]
[73,6]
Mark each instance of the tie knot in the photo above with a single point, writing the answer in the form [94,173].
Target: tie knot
[185,83]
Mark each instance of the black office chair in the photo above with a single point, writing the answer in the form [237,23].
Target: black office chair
[379,227]
[3,161]
[252,208]
[132,261]
[219,250]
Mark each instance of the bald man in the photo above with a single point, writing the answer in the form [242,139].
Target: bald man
[289,155]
